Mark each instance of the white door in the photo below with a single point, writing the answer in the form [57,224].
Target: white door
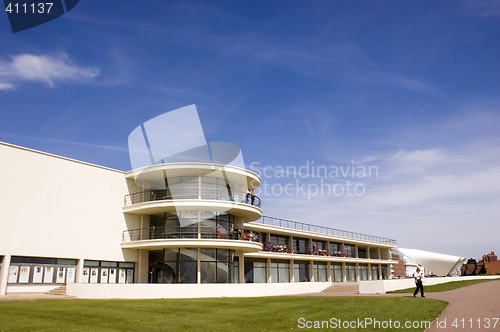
[112,276]
[93,275]
[85,275]
[61,275]
[71,275]
[104,276]
[48,278]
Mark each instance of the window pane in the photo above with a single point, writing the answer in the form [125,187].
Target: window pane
[222,272]
[260,274]
[284,272]
[207,254]
[274,272]
[187,273]
[207,272]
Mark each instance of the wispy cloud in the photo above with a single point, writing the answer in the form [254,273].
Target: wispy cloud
[443,186]
[67,142]
[48,69]
[484,8]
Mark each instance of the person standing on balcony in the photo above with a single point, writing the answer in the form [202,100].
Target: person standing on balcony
[252,194]
[247,197]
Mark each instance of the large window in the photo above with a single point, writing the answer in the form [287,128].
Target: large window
[183,187]
[213,224]
[278,240]
[215,188]
[385,272]
[255,271]
[336,272]
[173,266]
[236,271]
[301,246]
[301,271]
[320,272]
[216,224]
[187,187]
[216,265]
[375,275]
[350,272]
[374,253]
[318,246]
[363,272]
[280,271]
[349,250]
[335,249]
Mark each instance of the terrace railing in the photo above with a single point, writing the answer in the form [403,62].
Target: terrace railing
[265,220]
[166,195]
[154,233]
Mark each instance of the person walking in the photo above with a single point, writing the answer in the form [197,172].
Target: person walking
[419,276]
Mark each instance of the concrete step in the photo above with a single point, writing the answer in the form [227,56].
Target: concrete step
[57,291]
[351,287]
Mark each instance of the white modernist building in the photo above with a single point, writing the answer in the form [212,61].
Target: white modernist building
[65,221]
[439,264]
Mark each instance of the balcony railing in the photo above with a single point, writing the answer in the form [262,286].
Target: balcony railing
[309,251]
[154,233]
[166,195]
[321,229]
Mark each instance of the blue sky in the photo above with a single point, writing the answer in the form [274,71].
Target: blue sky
[411,88]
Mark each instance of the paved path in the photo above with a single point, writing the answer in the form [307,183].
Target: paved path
[478,302]
[33,296]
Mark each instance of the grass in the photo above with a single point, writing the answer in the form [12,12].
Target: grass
[225,314]
[444,287]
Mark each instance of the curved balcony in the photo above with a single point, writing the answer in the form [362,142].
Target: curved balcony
[154,238]
[157,201]
[231,173]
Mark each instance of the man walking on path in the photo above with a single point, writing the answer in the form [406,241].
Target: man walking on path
[419,282]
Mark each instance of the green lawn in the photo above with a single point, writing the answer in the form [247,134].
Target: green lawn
[226,314]
[444,287]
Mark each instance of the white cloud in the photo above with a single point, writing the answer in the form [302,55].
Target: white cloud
[436,198]
[48,69]
[6,86]
[483,8]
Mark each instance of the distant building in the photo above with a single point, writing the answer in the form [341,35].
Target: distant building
[397,269]
[489,264]
[411,267]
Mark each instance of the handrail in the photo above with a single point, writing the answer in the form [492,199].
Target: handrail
[191,232]
[265,220]
[166,195]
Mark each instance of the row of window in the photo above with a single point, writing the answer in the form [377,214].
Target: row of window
[187,187]
[256,271]
[281,243]
[42,270]
[180,265]
[219,266]
[187,223]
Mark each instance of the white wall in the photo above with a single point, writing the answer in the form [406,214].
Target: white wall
[31,288]
[54,207]
[170,291]
[383,286]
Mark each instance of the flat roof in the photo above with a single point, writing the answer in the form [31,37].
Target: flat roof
[60,157]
